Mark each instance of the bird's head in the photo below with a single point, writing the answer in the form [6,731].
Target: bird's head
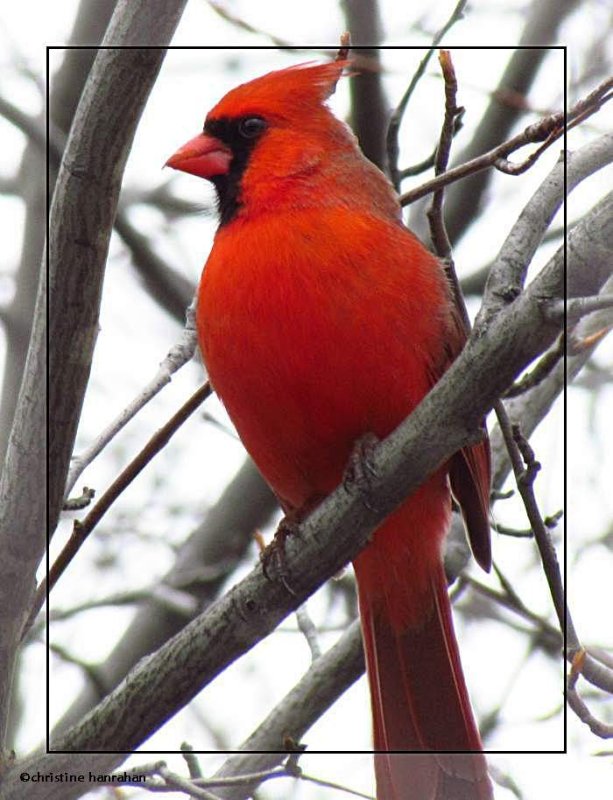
[268,135]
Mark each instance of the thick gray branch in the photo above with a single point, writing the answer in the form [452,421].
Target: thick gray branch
[82,214]
[23,512]
[22,518]
[89,28]
[81,217]
[143,23]
[507,276]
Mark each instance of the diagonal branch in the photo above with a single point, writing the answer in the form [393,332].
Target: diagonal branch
[81,530]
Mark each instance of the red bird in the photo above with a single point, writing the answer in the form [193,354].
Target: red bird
[321,318]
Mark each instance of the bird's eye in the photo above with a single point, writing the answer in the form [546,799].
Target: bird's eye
[250,127]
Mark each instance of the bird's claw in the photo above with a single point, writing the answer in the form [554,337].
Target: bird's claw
[273,557]
[361,469]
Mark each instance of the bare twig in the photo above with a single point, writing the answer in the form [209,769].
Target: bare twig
[396,118]
[578,664]
[248,778]
[309,631]
[440,239]
[505,530]
[189,787]
[333,785]
[599,728]
[581,344]
[547,130]
[193,765]
[578,307]
[242,24]
[540,371]
[593,669]
[509,168]
[438,230]
[512,602]
[525,467]
[162,779]
[81,530]
[178,355]
[533,133]
[81,502]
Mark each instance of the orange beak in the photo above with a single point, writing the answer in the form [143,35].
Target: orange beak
[204,156]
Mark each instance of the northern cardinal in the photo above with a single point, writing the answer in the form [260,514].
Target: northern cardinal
[321,319]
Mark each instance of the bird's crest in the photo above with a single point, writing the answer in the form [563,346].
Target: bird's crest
[303,88]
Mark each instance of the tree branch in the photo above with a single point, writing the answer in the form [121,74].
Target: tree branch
[81,530]
[204,562]
[113,98]
[22,517]
[543,19]
[547,130]
[369,109]
[178,355]
[399,112]
[508,273]
[329,676]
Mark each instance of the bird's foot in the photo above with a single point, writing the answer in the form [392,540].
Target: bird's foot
[273,557]
[361,469]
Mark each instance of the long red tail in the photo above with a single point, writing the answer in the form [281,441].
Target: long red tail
[419,697]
